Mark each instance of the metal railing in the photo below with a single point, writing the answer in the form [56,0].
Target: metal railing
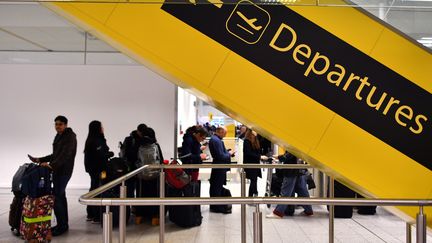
[88,199]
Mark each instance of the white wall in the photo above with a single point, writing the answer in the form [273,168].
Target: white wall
[121,97]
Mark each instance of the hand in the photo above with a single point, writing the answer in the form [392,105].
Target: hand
[203,156]
[263,157]
[203,147]
[231,153]
[44,164]
[33,159]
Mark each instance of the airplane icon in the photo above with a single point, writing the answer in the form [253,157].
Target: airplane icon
[247,21]
[250,22]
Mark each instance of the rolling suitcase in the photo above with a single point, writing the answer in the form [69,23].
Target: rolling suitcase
[186,216]
[36,219]
[15,214]
[147,188]
[342,191]
[116,167]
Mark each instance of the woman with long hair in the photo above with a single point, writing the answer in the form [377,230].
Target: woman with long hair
[252,155]
[96,155]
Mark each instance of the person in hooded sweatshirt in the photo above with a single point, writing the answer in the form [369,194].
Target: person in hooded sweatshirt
[61,161]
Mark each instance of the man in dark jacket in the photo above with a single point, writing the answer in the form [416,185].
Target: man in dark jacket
[218,176]
[61,161]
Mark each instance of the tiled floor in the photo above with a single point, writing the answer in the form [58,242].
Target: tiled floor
[218,228]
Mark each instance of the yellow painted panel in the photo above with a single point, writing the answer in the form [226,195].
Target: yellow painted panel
[409,60]
[101,15]
[148,27]
[252,89]
[384,172]
[346,23]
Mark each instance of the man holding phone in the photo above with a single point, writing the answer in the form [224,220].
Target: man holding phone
[218,176]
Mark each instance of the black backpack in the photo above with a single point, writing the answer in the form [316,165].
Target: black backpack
[17,178]
[36,181]
[116,167]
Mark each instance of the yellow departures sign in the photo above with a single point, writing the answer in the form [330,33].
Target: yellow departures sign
[333,85]
[337,74]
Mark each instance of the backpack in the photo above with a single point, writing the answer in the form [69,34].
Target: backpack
[17,178]
[148,154]
[116,167]
[36,182]
[177,178]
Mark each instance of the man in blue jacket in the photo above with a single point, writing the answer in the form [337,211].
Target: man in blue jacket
[218,176]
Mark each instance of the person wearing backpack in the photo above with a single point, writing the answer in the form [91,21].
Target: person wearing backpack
[96,155]
[61,161]
[129,152]
[149,153]
[218,176]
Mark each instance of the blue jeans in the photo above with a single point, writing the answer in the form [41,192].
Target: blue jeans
[60,201]
[290,185]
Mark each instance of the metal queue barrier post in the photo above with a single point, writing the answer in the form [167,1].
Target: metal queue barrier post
[421,226]
[162,207]
[122,216]
[107,226]
[243,207]
[331,210]
[408,233]
[257,225]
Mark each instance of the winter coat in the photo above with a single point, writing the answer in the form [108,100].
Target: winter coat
[220,156]
[251,156]
[96,155]
[64,150]
[192,147]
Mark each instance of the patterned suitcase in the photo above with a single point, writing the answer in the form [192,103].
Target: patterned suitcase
[36,219]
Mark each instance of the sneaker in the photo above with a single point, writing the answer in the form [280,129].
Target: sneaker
[273,216]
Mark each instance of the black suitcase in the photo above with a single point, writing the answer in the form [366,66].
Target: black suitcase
[365,210]
[116,168]
[15,214]
[344,192]
[186,216]
[147,188]
[115,210]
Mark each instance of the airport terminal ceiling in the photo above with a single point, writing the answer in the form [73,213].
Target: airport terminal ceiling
[42,37]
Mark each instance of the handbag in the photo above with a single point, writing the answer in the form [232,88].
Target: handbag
[177,178]
[310,181]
